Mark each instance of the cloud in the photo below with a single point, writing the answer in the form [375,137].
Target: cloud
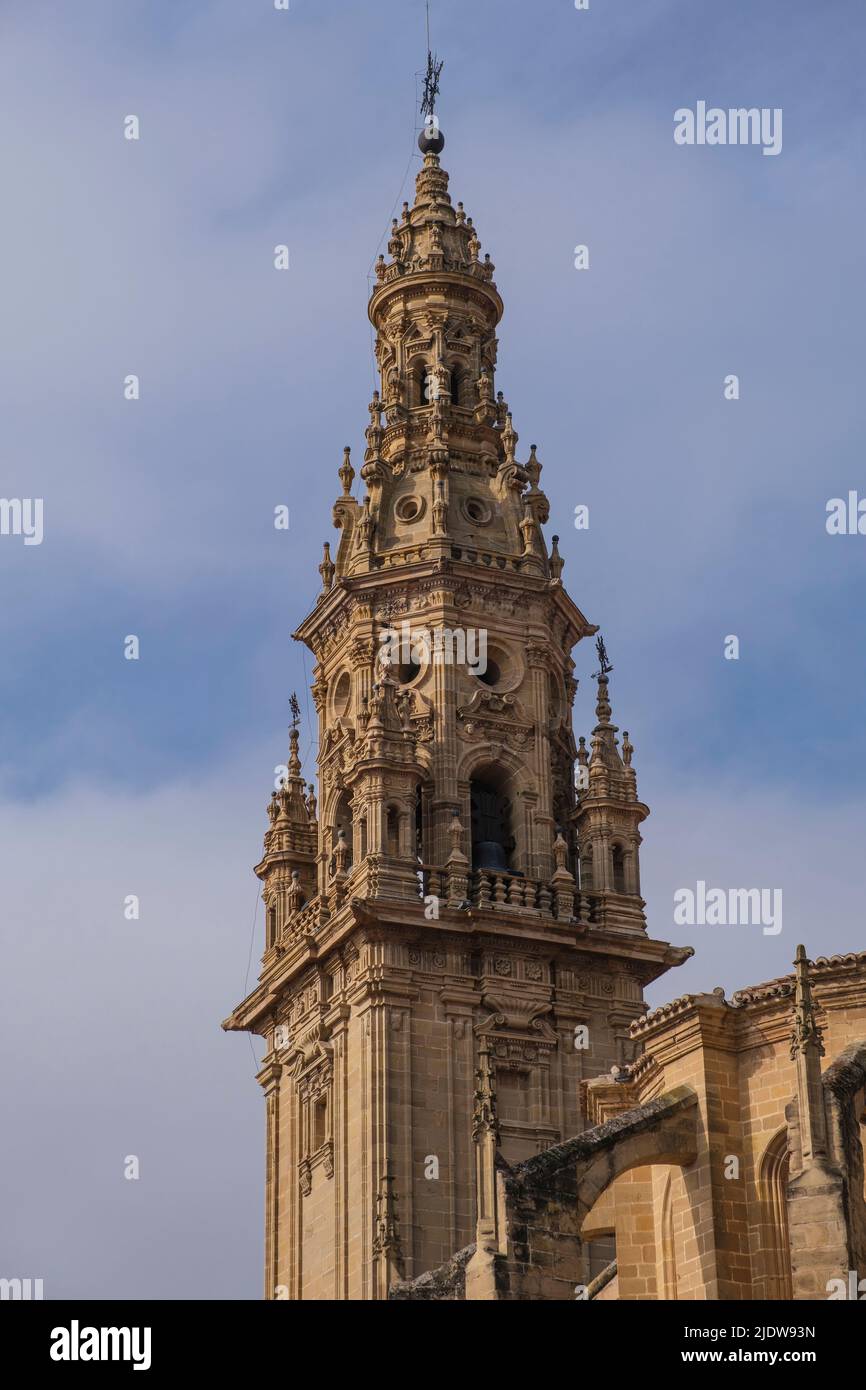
[112,1043]
[706,516]
[743,836]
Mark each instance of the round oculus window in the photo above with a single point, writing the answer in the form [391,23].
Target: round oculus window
[476,510]
[409,509]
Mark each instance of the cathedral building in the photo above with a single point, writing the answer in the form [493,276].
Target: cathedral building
[465,1096]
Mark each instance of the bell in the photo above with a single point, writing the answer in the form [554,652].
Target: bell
[489,854]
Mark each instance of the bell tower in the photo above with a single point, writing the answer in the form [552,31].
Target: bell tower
[450,901]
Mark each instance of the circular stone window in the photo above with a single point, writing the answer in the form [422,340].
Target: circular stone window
[503,670]
[409,509]
[407,671]
[477,511]
[491,675]
[342,691]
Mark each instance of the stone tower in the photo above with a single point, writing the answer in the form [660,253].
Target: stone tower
[450,903]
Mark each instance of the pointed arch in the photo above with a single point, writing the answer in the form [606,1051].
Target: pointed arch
[773,1171]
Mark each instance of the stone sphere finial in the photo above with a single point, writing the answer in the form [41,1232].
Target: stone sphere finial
[431,140]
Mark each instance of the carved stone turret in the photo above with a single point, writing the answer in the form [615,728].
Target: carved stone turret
[606,820]
[288,868]
[429,897]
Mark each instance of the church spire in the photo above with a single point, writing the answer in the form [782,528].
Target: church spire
[415,897]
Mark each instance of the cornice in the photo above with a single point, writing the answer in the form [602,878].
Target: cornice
[423,283]
[575,945]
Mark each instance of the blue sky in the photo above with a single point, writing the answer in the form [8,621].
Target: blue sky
[706,516]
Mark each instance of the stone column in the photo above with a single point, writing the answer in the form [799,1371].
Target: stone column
[269,1079]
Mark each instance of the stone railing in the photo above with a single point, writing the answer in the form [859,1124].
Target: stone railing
[480,888]
[589,907]
[305,921]
[432,882]
[494,888]
[490,887]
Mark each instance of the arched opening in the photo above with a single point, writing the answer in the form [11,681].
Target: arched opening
[776,1248]
[271,926]
[618,866]
[392,832]
[342,832]
[491,816]
[636,1185]
[585,868]
[320,1124]
[423,385]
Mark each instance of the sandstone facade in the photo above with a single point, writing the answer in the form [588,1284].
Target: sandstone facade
[456,950]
